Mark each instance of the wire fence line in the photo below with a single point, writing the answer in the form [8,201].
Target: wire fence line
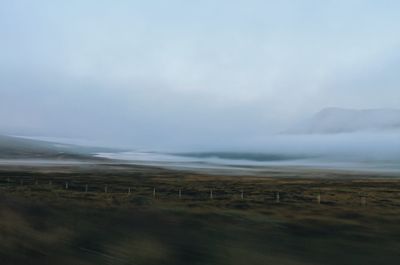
[313,194]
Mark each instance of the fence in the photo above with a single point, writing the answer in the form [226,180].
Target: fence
[203,192]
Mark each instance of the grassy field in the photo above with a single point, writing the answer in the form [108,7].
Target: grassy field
[118,214]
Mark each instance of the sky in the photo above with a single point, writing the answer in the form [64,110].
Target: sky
[162,74]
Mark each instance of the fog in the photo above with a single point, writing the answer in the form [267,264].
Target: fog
[183,76]
[359,146]
[366,152]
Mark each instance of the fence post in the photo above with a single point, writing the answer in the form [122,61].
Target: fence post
[154,192]
[211,194]
[363,200]
[242,195]
[278,197]
[129,190]
[66,185]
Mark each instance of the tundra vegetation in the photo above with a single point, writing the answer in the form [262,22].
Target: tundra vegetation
[119,214]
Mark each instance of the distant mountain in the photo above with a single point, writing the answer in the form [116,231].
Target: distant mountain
[20,148]
[338,120]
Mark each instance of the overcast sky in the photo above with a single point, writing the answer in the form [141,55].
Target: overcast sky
[186,73]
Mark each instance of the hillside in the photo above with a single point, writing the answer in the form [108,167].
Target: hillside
[19,148]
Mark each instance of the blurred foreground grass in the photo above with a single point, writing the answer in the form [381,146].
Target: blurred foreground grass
[48,224]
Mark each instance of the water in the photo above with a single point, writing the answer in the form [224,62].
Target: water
[251,161]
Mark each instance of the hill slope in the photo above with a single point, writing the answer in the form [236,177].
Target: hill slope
[19,148]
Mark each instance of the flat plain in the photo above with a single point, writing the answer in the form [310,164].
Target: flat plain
[126,214]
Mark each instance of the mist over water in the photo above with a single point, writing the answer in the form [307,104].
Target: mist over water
[350,151]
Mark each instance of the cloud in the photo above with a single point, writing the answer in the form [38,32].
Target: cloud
[159,72]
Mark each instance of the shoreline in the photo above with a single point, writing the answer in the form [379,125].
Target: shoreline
[207,169]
